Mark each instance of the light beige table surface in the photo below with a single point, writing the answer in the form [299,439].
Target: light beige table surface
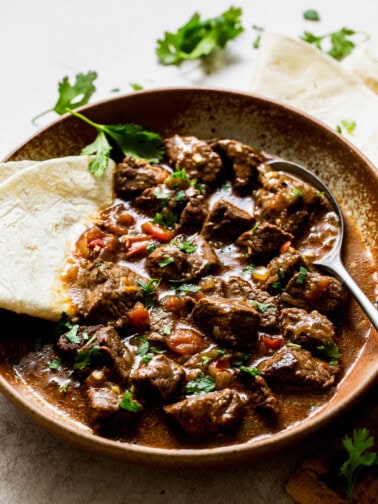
[40,42]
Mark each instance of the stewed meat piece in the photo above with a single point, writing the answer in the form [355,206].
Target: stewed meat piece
[171,262]
[262,301]
[285,201]
[282,267]
[227,320]
[97,344]
[298,367]
[225,222]
[106,292]
[243,160]
[133,176]
[263,240]
[323,293]
[105,412]
[193,216]
[195,156]
[208,413]
[260,395]
[161,376]
[307,329]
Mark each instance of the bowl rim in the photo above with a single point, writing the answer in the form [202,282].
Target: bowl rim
[257,447]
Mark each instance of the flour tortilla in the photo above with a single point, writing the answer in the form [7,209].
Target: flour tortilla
[11,167]
[297,73]
[43,209]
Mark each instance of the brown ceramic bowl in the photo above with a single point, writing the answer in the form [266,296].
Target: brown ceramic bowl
[264,124]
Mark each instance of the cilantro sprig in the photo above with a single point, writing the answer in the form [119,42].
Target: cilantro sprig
[198,38]
[128,403]
[132,139]
[337,44]
[359,456]
[201,385]
[72,95]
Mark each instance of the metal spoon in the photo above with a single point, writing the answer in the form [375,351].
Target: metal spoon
[331,262]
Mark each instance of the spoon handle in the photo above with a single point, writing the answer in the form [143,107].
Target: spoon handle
[336,266]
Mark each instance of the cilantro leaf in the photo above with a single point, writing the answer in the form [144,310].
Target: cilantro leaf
[144,346]
[131,139]
[358,457]
[148,290]
[330,351]
[135,86]
[73,95]
[311,15]
[201,385]
[302,275]
[198,38]
[252,371]
[256,42]
[72,336]
[348,126]
[85,358]
[187,288]
[262,307]
[128,403]
[166,261]
[297,192]
[339,42]
[54,364]
[63,325]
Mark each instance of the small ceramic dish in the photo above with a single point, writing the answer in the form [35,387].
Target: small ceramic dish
[266,125]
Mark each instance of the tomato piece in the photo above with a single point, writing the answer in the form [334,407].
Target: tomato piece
[139,249]
[285,247]
[186,342]
[158,232]
[139,316]
[272,343]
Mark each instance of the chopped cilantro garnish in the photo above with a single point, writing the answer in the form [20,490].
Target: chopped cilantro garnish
[249,269]
[131,139]
[279,283]
[187,247]
[302,275]
[348,126]
[136,87]
[63,325]
[54,364]
[180,196]
[148,290]
[201,385]
[293,345]
[86,358]
[168,219]
[63,388]
[330,351]
[311,15]
[341,45]
[72,335]
[297,192]
[198,38]
[128,403]
[165,262]
[256,42]
[239,359]
[187,288]
[144,346]
[252,371]
[262,307]
[151,246]
[166,330]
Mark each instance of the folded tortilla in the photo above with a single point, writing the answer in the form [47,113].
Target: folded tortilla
[11,167]
[301,75]
[43,209]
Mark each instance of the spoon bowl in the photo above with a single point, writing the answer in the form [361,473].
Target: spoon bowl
[331,262]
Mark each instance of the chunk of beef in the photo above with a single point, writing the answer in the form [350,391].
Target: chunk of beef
[263,240]
[285,200]
[264,303]
[106,292]
[208,413]
[243,160]
[230,321]
[225,222]
[193,216]
[261,396]
[109,349]
[282,267]
[161,321]
[298,367]
[161,376]
[170,262]
[133,176]
[307,329]
[196,156]
[106,415]
[317,292]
